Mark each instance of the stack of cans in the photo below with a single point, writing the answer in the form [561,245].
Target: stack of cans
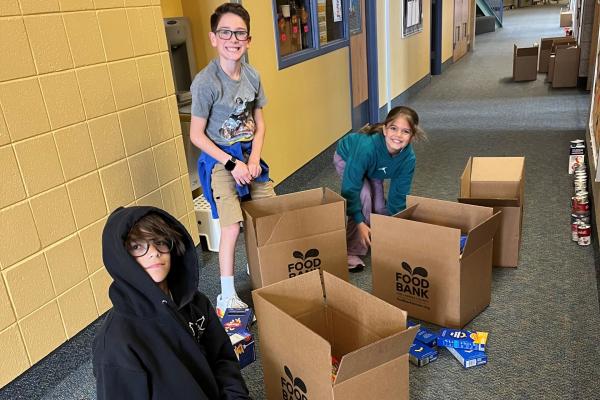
[580,207]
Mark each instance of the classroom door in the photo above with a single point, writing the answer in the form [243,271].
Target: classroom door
[461,28]
[359,69]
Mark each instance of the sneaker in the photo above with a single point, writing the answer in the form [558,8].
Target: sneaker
[355,264]
[232,302]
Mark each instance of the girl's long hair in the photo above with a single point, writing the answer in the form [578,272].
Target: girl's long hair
[408,113]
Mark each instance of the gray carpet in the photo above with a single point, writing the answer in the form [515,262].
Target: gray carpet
[544,319]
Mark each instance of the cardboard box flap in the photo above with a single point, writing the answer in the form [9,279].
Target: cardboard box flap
[377,353]
[292,201]
[497,169]
[481,234]
[300,223]
[380,317]
[490,202]
[526,51]
[465,179]
[448,213]
[297,296]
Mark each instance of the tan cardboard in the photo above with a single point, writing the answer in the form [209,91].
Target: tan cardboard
[566,67]
[303,322]
[295,233]
[525,63]
[417,264]
[566,19]
[498,182]
[546,48]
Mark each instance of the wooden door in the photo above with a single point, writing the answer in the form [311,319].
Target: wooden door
[358,65]
[461,18]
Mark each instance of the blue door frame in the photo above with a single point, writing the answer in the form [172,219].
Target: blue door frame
[372,69]
[436,37]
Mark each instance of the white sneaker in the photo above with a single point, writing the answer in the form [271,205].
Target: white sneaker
[231,302]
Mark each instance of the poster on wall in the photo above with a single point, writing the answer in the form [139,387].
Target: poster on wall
[412,17]
[337,10]
[355,17]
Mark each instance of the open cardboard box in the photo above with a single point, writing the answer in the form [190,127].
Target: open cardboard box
[304,321]
[566,66]
[417,263]
[547,46]
[498,182]
[292,234]
[525,63]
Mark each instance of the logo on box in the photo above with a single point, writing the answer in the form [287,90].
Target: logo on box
[304,262]
[292,388]
[412,283]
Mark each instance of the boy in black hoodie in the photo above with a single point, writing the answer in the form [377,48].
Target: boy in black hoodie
[162,339]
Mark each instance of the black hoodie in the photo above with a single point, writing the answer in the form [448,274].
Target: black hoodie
[151,346]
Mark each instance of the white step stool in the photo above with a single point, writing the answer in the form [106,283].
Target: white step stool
[207,226]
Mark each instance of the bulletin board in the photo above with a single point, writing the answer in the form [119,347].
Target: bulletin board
[594,123]
[412,17]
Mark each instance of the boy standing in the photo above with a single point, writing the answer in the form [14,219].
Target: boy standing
[162,339]
[228,126]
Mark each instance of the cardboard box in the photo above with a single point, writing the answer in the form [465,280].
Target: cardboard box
[290,235]
[566,66]
[303,323]
[236,323]
[417,264]
[469,358]
[525,61]
[546,48]
[498,182]
[566,19]
[462,339]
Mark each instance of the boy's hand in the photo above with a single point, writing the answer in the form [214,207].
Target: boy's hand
[254,168]
[241,174]
[364,233]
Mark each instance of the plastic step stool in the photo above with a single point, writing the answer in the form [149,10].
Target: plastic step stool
[207,226]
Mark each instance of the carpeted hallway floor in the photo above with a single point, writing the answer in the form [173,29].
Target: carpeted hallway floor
[544,319]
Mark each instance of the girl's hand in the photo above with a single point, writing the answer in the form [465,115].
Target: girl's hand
[364,233]
[241,174]
[254,169]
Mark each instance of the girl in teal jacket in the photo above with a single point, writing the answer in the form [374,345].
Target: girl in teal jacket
[364,160]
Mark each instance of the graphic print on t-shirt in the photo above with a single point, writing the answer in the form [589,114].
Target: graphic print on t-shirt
[240,125]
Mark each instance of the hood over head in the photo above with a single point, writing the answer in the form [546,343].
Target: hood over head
[133,291]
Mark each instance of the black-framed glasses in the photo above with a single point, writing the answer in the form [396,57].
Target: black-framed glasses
[139,248]
[226,34]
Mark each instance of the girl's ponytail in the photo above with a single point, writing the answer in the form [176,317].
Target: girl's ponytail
[372,128]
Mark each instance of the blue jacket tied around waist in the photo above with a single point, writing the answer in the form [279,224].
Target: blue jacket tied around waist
[206,164]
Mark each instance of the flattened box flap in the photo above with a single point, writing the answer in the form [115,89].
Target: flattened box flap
[490,202]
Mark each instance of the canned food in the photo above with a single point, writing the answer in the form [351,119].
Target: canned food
[574,225]
[584,233]
[581,218]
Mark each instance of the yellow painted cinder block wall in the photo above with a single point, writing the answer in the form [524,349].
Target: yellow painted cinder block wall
[409,57]
[88,123]
[447,29]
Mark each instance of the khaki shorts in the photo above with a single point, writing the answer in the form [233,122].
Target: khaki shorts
[227,199]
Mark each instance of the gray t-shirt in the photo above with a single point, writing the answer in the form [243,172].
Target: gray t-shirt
[228,105]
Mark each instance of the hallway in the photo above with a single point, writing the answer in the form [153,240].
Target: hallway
[544,319]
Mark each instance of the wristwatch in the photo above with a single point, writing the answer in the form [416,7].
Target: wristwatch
[230,164]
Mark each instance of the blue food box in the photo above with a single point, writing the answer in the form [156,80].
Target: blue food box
[420,354]
[424,335]
[469,358]
[462,339]
[236,323]
[236,319]
[243,346]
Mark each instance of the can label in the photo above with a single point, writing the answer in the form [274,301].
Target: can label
[574,234]
[584,235]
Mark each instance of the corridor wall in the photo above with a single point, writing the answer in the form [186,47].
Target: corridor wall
[88,123]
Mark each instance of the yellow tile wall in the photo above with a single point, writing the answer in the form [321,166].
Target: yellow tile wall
[88,123]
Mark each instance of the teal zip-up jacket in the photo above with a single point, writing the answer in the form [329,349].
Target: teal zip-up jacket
[366,156]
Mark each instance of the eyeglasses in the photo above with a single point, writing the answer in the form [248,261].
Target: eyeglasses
[139,248]
[226,34]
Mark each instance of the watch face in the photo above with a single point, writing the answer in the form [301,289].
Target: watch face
[230,164]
